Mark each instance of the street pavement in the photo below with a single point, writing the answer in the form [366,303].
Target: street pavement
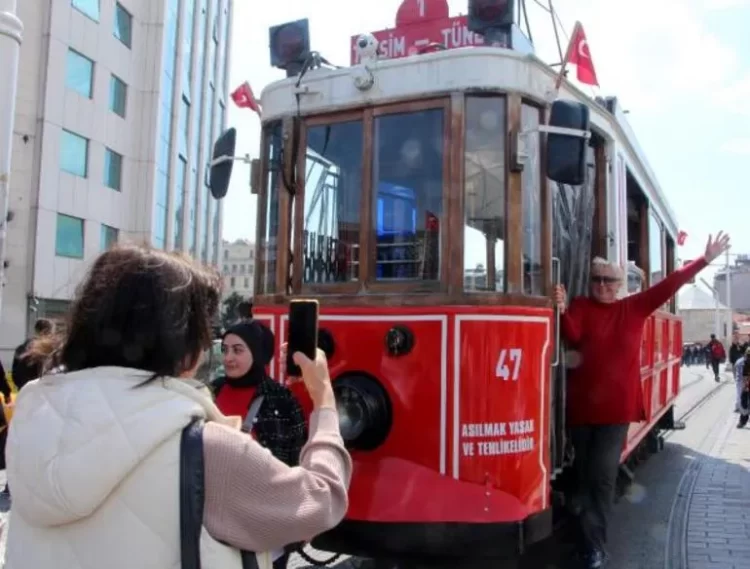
[689,507]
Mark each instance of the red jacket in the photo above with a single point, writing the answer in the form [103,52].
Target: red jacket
[605,388]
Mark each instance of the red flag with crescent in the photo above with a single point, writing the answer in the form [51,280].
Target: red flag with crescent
[243,97]
[681,238]
[580,56]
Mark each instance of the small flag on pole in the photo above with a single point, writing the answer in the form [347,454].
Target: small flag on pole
[244,98]
[681,238]
[578,54]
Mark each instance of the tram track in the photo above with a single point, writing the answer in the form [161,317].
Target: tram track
[676,544]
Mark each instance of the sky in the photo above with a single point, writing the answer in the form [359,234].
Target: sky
[680,67]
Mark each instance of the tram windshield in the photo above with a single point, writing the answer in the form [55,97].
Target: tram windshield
[379,187]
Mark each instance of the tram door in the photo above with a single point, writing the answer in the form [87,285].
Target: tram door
[573,210]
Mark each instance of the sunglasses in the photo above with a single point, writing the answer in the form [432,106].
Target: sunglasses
[604,280]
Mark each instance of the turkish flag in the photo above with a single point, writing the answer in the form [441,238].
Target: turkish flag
[681,237]
[244,98]
[580,56]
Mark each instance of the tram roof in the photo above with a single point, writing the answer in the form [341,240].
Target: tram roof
[475,68]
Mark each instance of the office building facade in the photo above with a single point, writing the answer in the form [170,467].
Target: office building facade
[118,104]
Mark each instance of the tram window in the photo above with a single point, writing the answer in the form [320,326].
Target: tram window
[484,195]
[655,249]
[533,282]
[333,184]
[272,154]
[408,195]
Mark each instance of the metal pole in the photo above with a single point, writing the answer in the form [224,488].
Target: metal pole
[11,35]
[728,284]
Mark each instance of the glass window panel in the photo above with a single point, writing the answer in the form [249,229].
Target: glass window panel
[332,201]
[484,195]
[268,239]
[69,237]
[79,73]
[408,195]
[118,96]
[531,186]
[88,7]
[123,30]
[112,169]
[655,238]
[109,236]
[179,233]
[74,150]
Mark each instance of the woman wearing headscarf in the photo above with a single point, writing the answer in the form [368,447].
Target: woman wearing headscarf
[269,410]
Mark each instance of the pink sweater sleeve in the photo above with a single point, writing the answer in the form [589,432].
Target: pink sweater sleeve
[257,503]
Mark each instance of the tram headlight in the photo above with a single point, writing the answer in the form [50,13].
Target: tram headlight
[364,410]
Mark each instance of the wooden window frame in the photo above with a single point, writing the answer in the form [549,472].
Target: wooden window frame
[450,286]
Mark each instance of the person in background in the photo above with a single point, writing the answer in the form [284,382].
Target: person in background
[604,389]
[97,454]
[245,311]
[736,351]
[742,380]
[25,369]
[715,355]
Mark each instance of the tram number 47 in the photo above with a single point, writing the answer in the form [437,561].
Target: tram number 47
[509,364]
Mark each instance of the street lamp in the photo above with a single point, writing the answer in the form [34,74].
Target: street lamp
[11,35]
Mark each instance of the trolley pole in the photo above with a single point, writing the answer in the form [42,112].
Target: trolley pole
[11,36]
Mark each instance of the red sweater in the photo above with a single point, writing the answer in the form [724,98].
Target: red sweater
[605,388]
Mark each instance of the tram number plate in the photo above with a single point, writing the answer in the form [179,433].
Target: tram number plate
[509,364]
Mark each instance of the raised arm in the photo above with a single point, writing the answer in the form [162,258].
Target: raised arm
[652,298]
[257,503]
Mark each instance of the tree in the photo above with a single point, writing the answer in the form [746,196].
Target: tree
[230,312]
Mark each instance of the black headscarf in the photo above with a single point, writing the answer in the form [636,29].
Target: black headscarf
[260,341]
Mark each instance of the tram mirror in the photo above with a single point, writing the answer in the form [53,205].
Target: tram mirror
[290,46]
[254,176]
[567,138]
[222,162]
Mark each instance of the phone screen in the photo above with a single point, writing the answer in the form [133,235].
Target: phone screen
[303,332]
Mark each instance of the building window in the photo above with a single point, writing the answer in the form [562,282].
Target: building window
[231,282]
[79,74]
[112,169]
[109,236]
[69,237]
[247,282]
[118,95]
[74,154]
[88,8]
[123,25]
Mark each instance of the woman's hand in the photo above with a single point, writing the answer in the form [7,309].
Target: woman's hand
[715,247]
[560,298]
[316,377]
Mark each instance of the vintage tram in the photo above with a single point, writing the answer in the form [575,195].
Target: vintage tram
[424,214]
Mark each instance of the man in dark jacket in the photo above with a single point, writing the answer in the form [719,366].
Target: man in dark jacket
[24,370]
[737,349]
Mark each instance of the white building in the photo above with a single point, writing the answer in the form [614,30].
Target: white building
[701,315]
[118,105]
[238,268]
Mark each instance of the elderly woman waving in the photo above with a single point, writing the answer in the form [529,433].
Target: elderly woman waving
[604,389]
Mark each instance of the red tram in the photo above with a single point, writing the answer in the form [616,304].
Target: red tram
[431,208]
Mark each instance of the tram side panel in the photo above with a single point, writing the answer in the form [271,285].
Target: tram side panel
[502,403]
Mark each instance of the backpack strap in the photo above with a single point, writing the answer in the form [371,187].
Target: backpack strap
[192,498]
[252,413]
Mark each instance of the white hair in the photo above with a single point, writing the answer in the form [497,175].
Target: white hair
[603,263]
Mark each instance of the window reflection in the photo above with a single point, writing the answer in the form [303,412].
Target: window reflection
[484,194]
[656,264]
[408,195]
[532,203]
[333,184]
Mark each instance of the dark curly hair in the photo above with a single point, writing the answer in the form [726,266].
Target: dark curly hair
[140,308]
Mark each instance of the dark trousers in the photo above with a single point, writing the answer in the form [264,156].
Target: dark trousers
[715,367]
[597,460]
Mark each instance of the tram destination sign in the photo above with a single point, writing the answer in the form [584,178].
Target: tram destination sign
[407,40]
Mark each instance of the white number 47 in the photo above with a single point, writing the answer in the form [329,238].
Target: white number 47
[507,358]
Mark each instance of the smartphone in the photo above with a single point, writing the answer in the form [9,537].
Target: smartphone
[303,333]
